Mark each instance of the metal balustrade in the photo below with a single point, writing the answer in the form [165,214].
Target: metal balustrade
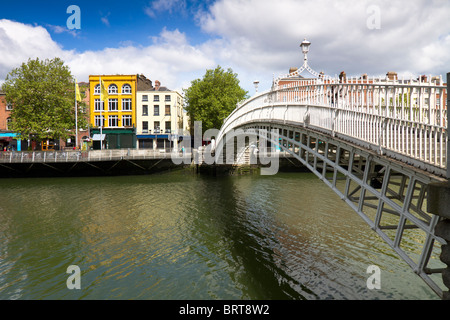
[387,140]
[76,156]
[406,120]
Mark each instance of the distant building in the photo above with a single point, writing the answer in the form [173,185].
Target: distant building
[294,87]
[160,118]
[114,123]
[5,112]
[7,141]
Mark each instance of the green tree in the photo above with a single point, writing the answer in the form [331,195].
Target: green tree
[42,93]
[211,99]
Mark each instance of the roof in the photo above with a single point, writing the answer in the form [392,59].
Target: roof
[161,89]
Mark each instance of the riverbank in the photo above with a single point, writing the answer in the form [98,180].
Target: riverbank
[286,164]
[125,167]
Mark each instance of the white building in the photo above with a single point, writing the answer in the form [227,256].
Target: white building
[160,118]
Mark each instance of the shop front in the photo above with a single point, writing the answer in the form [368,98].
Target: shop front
[8,142]
[114,139]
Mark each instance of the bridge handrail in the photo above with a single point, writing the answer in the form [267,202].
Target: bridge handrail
[407,118]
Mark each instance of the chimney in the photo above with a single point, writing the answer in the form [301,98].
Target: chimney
[292,69]
[157,84]
[436,80]
[342,76]
[364,76]
[423,78]
[391,75]
[143,83]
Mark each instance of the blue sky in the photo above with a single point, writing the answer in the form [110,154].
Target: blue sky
[107,23]
[175,41]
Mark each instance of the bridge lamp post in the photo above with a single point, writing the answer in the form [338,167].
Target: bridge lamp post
[305,48]
[255,83]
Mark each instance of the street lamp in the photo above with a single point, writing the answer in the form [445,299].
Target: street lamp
[305,48]
[255,83]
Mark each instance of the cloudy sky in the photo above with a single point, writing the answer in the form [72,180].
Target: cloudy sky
[175,41]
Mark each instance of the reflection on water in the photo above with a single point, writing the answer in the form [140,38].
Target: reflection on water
[179,236]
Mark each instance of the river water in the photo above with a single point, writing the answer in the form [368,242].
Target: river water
[183,236]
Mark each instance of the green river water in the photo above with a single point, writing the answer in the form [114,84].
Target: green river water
[183,236]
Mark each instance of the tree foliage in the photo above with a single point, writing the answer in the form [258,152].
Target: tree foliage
[211,99]
[42,93]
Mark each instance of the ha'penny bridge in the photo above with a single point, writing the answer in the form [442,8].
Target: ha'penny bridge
[380,143]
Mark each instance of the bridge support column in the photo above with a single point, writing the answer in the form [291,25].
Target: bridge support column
[438,202]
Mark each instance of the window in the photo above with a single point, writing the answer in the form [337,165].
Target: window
[9,106]
[156,110]
[126,88]
[99,121]
[145,97]
[97,89]
[156,126]
[126,104]
[156,98]
[126,121]
[112,89]
[144,126]
[167,113]
[168,126]
[167,98]
[113,121]
[113,104]
[8,123]
[145,110]
[98,105]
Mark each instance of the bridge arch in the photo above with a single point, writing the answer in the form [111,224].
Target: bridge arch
[378,143]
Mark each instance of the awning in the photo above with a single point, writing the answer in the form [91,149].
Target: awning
[153,136]
[99,137]
[8,135]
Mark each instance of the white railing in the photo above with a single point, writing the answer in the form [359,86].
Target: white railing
[74,156]
[403,119]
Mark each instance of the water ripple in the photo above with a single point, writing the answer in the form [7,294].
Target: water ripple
[177,236]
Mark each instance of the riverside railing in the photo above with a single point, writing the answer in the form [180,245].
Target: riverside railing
[404,119]
[75,156]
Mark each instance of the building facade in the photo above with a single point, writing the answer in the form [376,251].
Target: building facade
[113,121]
[7,137]
[403,96]
[5,112]
[160,118]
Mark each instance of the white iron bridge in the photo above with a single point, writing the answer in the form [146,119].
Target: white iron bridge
[377,142]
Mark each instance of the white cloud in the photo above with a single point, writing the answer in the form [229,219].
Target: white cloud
[259,39]
[20,42]
[262,37]
[59,30]
[170,59]
[105,19]
[160,6]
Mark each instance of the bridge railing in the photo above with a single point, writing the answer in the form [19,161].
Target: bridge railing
[405,119]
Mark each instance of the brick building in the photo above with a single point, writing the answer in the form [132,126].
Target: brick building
[7,141]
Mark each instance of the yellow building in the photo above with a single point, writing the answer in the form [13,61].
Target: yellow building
[113,121]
